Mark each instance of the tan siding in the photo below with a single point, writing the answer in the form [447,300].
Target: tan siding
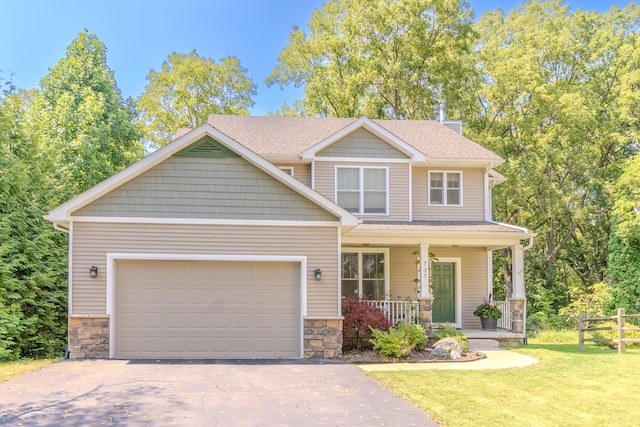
[92,242]
[398,187]
[403,271]
[206,187]
[474,280]
[363,144]
[472,208]
[301,172]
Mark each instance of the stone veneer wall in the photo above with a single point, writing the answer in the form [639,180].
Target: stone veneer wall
[88,337]
[322,337]
[425,311]
[517,315]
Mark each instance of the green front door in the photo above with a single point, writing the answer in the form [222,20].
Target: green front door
[444,292]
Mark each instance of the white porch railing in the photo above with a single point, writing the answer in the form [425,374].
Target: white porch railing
[398,311]
[505,321]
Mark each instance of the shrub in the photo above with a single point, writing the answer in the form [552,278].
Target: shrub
[399,341]
[360,318]
[445,331]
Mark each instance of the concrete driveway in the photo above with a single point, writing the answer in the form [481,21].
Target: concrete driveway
[196,393]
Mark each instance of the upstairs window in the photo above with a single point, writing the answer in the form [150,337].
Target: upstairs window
[362,190]
[445,188]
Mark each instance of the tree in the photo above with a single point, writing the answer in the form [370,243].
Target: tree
[550,101]
[32,254]
[385,59]
[624,244]
[81,116]
[189,88]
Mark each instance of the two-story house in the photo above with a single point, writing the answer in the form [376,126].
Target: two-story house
[240,239]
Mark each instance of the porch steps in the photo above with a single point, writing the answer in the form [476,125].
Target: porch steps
[483,344]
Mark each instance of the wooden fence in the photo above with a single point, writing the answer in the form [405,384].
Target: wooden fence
[584,326]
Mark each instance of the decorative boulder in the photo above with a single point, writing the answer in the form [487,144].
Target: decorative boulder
[448,344]
[454,355]
[439,352]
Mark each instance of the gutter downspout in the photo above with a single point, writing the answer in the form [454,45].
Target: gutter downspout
[60,228]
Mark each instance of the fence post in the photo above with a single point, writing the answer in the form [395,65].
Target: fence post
[581,332]
[620,331]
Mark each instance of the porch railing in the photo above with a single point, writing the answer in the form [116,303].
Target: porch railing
[398,311]
[505,321]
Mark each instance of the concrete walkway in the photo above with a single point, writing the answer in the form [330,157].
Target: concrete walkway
[496,359]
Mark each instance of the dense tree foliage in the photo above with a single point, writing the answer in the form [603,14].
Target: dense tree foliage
[384,59]
[188,89]
[33,258]
[554,99]
[80,114]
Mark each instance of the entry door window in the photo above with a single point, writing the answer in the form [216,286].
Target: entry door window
[364,274]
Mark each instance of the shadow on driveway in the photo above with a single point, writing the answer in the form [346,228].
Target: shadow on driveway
[203,393]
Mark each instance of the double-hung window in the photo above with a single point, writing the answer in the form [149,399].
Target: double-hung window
[364,274]
[362,190]
[445,188]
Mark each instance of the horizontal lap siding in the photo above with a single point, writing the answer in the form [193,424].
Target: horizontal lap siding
[472,208]
[92,242]
[206,187]
[301,172]
[474,279]
[398,187]
[403,271]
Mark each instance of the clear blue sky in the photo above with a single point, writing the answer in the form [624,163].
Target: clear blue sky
[140,34]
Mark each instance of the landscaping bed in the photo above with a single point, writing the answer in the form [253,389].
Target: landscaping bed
[424,356]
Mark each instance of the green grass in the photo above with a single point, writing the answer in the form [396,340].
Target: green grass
[567,387]
[10,370]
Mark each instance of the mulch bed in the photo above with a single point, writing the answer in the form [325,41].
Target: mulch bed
[424,356]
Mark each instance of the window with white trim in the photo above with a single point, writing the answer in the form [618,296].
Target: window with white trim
[362,190]
[364,274]
[445,188]
[287,169]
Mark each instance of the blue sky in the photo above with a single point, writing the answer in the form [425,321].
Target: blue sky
[139,35]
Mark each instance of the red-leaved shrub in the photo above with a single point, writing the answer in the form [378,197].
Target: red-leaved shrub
[359,318]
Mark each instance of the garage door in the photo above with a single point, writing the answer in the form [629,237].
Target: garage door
[207,309]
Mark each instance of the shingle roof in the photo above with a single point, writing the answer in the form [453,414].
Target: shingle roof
[275,136]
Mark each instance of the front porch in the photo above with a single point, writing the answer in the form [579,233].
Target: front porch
[409,311]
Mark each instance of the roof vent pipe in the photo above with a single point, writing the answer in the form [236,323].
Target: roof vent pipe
[442,116]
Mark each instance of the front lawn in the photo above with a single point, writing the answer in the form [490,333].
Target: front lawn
[567,387]
[10,370]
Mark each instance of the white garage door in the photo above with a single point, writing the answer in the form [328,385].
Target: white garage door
[207,309]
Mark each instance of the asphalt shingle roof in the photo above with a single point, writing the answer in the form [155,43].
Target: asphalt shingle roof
[275,136]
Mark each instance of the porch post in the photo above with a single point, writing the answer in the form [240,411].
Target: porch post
[425,299]
[518,297]
[425,290]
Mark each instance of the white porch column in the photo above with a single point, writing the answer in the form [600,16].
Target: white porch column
[425,289]
[517,266]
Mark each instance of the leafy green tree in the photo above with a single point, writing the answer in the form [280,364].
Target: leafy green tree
[189,88]
[550,101]
[384,59]
[624,245]
[80,114]
[33,258]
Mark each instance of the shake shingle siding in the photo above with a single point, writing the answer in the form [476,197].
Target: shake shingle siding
[209,188]
[91,242]
[361,144]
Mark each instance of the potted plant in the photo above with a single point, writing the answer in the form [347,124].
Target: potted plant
[489,313]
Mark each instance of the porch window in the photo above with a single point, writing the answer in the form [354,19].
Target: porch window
[445,188]
[362,190]
[364,274]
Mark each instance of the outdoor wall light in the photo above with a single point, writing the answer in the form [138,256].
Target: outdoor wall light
[317,274]
[93,272]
